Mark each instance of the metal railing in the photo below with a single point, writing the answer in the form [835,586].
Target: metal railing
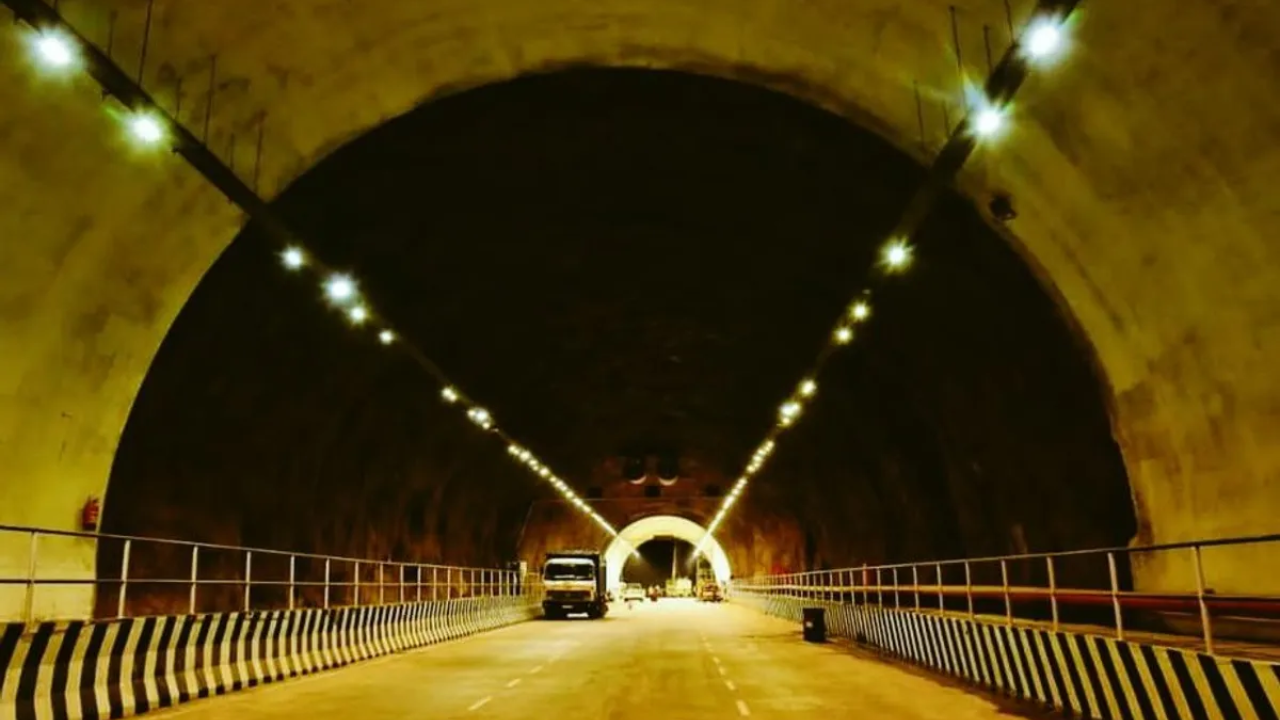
[1088,587]
[148,576]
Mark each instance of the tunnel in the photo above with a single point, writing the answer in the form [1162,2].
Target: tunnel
[608,244]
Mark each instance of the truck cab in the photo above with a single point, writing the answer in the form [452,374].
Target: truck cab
[575,584]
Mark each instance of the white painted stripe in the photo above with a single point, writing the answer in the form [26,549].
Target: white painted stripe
[43,699]
[1201,684]
[729,684]
[722,670]
[514,683]
[1041,693]
[1112,701]
[1128,685]
[537,669]
[1270,684]
[1064,694]
[479,704]
[151,672]
[76,672]
[1234,687]
[743,710]
[1145,672]
[715,659]
[1171,681]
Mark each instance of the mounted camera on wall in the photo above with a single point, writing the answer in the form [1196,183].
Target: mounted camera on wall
[633,469]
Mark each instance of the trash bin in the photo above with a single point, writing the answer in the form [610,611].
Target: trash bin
[815,625]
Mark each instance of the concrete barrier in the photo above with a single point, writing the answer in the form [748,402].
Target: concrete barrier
[110,669]
[1085,675]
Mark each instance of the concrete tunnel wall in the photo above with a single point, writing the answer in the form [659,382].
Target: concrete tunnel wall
[1137,174]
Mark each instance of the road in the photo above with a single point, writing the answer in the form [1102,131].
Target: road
[669,660]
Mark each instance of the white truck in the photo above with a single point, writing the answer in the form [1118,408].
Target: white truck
[574,583]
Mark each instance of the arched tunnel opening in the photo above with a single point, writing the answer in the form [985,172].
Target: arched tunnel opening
[630,266]
[661,560]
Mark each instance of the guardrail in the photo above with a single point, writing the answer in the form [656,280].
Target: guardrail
[176,576]
[1098,592]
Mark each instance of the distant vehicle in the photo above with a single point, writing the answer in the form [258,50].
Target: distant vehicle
[633,591]
[574,583]
[710,592]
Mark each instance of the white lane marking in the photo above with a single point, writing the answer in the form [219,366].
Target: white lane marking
[729,684]
[514,683]
[743,710]
[536,670]
[721,669]
[715,659]
[479,704]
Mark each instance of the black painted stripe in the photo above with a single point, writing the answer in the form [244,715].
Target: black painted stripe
[924,629]
[238,679]
[1163,692]
[956,633]
[202,688]
[138,674]
[251,654]
[1110,675]
[279,649]
[306,622]
[1218,687]
[180,657]
[1049,642]
[115,668]
[91,668]
[1036,670]
[265,655]
[1179,664]
[995,673]
[164,659]
[1253,689]
[947,643]
[24,702]
[1014,665]
[1093,676]
[1146,707]
[8,648]
[62,662]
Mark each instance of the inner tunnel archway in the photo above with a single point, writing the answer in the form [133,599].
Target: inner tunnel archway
[657,526]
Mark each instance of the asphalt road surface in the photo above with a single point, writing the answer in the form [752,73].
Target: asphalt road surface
[670,660]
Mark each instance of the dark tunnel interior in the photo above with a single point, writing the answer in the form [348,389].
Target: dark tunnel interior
[612,260]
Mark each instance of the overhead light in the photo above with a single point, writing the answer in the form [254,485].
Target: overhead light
[860,311]
[293,258]
[808,388]
[449,394]
[1043,39]
[896,255]
[386,337]
[55,49]
[340,288]
[481,417]
[988,122]
[843,336]
[358,314]
[146,128]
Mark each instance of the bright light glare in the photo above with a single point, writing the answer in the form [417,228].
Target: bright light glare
[860,311]
[293,258]
[988,122]
[1043,39]
[449,394]
[897,255]
[55,49]
[808,388]
[358,314]
[386,337]
[147,128]
[844,335]
[481,417]
[340,288]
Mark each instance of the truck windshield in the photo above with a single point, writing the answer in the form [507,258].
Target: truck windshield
[569,571]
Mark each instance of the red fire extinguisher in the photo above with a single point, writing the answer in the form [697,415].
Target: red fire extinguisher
[89,515]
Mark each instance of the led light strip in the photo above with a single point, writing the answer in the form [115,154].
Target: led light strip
[1043,40]
[59,48]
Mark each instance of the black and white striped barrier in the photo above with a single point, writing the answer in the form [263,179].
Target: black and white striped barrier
[112,669]
[1086,675]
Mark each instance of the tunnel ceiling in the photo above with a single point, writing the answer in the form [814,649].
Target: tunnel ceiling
[617,261]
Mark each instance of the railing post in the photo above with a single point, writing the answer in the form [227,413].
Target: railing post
[326,583]
[915,584]
[29,600]
[1115,595]
[968,588]
[448,583]
[382,571]
[292,578]
[355,592]
[124,578]
[434,583]
[418,583]
[248,577]
[866,594]
[1004,585]
[1053,592]
[879,589]
[401,567]
[1206,622]
[897,596]
[195,579]
[942,605]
